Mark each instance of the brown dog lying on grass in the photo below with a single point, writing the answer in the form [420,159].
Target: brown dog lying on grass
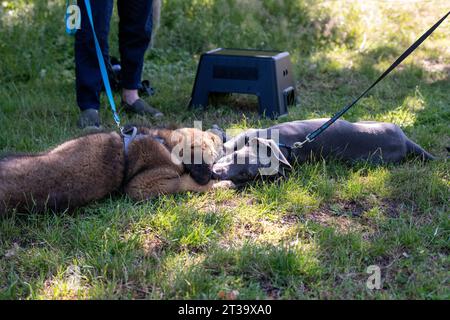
[89,168]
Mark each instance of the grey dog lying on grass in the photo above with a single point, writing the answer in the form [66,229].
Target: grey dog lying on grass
[252,152]
[89,168]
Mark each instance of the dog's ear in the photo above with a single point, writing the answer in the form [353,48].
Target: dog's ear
[274,150]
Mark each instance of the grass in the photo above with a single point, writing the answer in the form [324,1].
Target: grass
[311,236]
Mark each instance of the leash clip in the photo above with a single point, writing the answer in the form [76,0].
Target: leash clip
[129,132]
[122,130]
[298,144]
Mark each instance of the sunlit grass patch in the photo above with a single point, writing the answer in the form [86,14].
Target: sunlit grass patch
[301,201]
[66,285]
[405,114]
[375,213]
[189,228]
[365,182]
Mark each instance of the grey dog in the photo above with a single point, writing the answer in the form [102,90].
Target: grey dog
[248,154]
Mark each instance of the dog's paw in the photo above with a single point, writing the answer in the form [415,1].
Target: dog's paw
[224,184]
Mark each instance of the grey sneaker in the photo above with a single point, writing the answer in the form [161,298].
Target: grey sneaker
[141,107]
[89,118]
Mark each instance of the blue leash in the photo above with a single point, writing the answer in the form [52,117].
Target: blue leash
[103,70]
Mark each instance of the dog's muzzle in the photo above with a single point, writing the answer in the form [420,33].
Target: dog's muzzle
[218,173]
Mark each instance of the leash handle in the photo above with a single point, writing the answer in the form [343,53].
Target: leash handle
[313,135]
[103,70]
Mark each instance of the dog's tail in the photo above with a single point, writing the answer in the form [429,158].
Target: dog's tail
[415,149]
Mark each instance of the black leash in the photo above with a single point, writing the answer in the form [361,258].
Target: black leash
[313,135]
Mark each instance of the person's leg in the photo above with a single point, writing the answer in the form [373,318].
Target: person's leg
[135,30]
[87,70]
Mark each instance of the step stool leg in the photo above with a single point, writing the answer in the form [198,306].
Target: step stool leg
[268,105]
[199,99]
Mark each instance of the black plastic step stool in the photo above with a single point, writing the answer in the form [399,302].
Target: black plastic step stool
[266,74]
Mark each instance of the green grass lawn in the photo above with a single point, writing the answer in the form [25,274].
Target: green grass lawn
[310,236]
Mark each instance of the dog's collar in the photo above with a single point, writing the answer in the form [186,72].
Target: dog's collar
[128,136]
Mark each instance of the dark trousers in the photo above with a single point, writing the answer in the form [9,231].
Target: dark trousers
[135,28]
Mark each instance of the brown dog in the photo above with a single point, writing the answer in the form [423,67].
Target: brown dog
[90,167]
